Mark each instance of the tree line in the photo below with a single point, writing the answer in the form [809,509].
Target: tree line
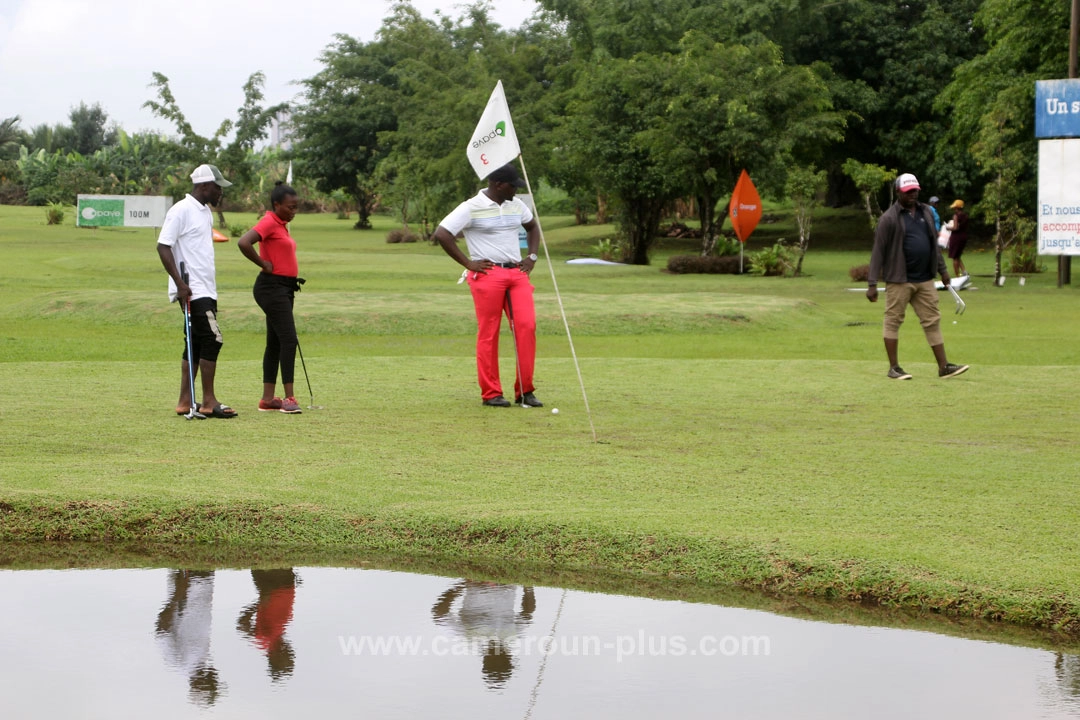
[625,106]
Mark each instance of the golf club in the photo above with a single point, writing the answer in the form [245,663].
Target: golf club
[961,306]
[303,364]
[192,413]
[513,334]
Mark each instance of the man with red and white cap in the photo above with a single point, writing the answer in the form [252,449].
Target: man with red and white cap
[906,255]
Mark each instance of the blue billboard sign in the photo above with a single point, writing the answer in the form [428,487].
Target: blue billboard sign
[1057,108]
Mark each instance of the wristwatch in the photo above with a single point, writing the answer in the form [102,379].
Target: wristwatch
[532,256]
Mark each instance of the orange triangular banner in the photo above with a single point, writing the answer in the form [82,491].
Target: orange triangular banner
[745,207]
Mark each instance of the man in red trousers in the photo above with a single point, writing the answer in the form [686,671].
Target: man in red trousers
[498,278]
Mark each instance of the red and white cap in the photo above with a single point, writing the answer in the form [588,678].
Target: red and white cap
[906,182]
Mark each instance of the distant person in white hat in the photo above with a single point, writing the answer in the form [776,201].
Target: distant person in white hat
[933,211]
[187,237]
[907,255]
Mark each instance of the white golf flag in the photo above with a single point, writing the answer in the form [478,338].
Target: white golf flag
[494,142]
[288,175]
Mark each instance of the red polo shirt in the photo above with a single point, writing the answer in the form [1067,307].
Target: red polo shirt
[273,614]
[277,246]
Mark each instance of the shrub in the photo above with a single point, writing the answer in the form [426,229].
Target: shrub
[42,195]
[726,245]
[12,193]
[728,264]
[555,201]
[777,261]
[11,190]
[401,235]
[606,249]
[73,179]
[54,213]
[1024,259]
[341,199]
[237,230]
[859,273]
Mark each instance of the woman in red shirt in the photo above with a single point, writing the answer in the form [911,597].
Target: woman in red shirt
[274,290]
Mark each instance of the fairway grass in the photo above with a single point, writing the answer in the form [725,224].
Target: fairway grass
[746,433]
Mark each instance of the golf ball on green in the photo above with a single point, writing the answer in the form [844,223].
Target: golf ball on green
[554,411]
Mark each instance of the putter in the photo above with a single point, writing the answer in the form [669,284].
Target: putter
[513,334]
[961,306]
[192,413]
[303,364]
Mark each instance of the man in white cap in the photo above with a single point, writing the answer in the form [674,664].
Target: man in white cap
[187,237]
[907,256]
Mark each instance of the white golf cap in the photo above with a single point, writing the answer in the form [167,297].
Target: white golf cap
[209,173]
[906,182]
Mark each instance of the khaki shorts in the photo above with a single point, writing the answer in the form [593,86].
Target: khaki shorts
[923,298]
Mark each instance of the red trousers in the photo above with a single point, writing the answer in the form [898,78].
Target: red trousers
[503,290]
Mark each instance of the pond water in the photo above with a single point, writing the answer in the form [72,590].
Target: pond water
[316,642]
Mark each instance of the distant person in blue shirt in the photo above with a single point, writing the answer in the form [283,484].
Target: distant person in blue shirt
[933,211]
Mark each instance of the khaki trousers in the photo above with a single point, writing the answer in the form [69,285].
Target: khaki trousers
[924,301]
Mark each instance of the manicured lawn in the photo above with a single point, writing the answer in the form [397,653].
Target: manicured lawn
[746,430]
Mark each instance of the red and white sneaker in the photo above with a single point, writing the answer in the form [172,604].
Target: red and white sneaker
[290,406]
[274,404]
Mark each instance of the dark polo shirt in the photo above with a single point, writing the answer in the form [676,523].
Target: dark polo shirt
[918,247]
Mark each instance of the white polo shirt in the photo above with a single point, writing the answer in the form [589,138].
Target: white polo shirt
[189,230]
[491,231]
[186,641]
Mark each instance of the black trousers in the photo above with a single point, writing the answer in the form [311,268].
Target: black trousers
[275,294]
[206,339]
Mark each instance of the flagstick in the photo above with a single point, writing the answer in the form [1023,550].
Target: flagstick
[558,297]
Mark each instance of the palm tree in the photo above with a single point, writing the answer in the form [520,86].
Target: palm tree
[10,134]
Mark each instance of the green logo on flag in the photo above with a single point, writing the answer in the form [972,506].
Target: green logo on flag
[498,132]
[98,213]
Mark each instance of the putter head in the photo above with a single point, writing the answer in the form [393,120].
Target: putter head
[961,306]
[194,414]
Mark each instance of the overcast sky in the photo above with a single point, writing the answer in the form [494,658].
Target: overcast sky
[56,53]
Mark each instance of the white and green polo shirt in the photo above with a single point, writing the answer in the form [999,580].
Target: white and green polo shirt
[491,231]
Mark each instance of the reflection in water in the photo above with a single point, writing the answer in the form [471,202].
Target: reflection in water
[394,645]
[1067,671]
[264,620]
[487,619]
[183,630]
